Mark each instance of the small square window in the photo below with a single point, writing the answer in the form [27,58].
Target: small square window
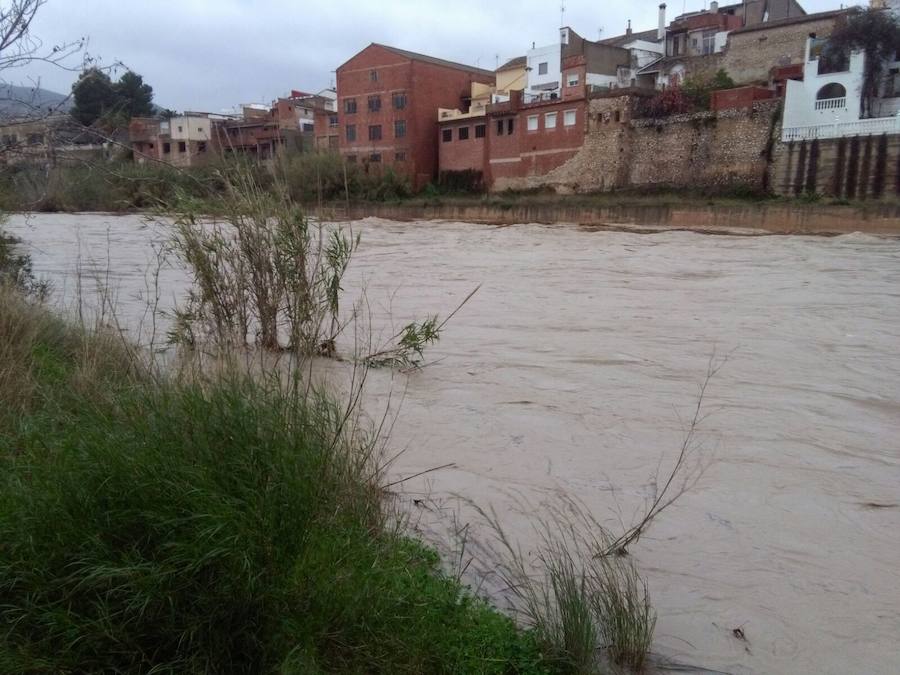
[447,135]
[375,157]
[550,120]
[569,117]
[480,130]
[182,146]
[542,68]
[400,157]
[532,123]
[572,80]
[399,128]
[375,132]
[350,106]
[167,148]
[180,129]
[399,101]
[374,103]
[201,147]
[463,133]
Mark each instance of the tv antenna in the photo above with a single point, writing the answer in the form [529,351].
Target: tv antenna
[562,13]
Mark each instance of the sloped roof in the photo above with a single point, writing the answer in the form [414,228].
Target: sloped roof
[518,62]
[620,40]
[415,56]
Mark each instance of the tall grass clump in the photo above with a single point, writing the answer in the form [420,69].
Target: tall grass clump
[588,610]
[223,524]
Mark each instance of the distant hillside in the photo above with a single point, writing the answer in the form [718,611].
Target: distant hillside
[31,101]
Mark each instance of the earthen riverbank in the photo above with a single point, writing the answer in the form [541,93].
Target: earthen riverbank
[748,218]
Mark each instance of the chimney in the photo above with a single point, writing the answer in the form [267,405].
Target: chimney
[628,29]
[714,7]
[661,31]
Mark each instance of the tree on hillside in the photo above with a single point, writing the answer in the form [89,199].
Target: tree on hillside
[100,100]
[876,33]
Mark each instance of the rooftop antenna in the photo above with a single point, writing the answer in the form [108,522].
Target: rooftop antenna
[562,13]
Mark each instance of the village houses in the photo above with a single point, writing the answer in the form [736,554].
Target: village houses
[572,115]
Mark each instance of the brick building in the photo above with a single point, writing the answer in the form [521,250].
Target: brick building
[513,140]
[387,104]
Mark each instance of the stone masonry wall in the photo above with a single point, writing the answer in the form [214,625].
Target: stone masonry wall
[696,150]
[752,53]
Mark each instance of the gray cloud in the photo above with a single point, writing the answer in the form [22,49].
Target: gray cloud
[211,54]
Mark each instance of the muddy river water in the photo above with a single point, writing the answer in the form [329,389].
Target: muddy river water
[573,370]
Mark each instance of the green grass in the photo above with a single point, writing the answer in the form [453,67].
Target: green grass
[215,526]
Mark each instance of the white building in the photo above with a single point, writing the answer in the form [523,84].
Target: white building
[544,70]
[828,102]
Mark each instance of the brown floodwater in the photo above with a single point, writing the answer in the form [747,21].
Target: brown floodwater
[574,370]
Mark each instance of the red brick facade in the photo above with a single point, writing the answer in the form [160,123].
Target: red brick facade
[740,97]
[387,108]
[520,140]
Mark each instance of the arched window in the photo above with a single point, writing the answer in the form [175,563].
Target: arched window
[831,90]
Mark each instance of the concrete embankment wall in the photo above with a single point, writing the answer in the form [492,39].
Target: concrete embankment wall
[860,167]
[760,217]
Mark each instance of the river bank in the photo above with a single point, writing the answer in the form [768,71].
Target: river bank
[568,372]
[648,214]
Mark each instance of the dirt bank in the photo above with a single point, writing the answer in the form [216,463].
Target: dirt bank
[731,218]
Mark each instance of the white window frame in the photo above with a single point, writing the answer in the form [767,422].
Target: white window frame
[570,118]
[532,123]
[550,120]
[572,79]
[543,68]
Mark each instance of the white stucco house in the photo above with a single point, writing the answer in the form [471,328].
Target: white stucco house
[827,103]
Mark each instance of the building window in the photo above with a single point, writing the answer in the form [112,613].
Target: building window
[151,146]
[569,117]
[399,128]
[182,146]
[167,148]
[542,68]
[375,132]
[373,76]
[351,132]
[463,133]
[532,123]
[572,80]
[400,157]
[447,135]
[480,130]
[709,41]
[332,121]
[374,103]
[351,159]
[180,129]
[201,147]
[892,85]
[509,125]
[550,120]
[350,106]
[399,101]
[499,127]
[375,157]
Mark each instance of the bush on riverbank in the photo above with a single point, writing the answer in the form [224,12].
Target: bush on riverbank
[222,526]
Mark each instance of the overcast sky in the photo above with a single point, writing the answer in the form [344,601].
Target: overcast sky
[213,54]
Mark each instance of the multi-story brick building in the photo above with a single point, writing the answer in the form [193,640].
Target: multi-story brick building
[387,108]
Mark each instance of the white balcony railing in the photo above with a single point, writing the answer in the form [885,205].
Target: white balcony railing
[831,103]
[870,127]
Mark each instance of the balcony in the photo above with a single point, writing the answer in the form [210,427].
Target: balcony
[868,127]
[831,103]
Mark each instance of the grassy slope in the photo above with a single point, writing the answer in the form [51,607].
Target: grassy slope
[219,528]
